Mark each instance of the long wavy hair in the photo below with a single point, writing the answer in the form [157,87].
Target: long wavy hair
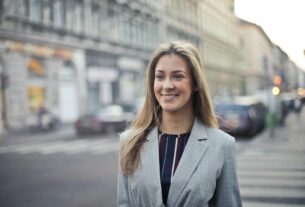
[149,115]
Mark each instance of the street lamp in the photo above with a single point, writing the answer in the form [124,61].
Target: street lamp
[276,90]
[277,81]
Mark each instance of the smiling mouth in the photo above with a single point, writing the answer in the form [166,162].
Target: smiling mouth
[170,95]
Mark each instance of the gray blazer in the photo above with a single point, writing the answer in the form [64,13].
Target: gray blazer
[205,176]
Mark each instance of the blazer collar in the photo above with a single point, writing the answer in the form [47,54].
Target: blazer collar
[198,132]
[193,152]
[150,159]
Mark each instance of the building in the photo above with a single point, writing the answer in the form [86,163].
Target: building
[180,21]
[257,57]
[220,48]
[76,56]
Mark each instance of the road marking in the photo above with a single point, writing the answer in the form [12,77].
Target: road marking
[271,192]
[272,176]
[99,146]
[258,204]
[274,182]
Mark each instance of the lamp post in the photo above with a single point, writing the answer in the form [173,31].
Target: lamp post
[273,93]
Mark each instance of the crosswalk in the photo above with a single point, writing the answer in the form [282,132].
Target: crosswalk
[271,176]
[68,147]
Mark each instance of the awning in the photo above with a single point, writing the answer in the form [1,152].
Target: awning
[36,67]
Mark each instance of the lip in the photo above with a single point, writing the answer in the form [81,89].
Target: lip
[170,94]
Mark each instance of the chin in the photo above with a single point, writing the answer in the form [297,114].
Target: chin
[170,109]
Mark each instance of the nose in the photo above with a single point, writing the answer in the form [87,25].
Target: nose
[168,84]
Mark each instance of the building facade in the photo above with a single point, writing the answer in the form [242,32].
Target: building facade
[76,56]
[257,58]
[220,48]
[262,61]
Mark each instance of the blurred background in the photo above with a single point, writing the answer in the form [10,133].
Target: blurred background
[72,77]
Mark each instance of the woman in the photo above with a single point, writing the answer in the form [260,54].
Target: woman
[173,154]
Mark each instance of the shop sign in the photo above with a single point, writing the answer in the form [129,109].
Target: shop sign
[40,51]
[36,97]
[36,67]
[126,63]
[96,74]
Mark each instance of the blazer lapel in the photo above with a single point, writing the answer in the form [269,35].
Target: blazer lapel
[193,152]
[150,158]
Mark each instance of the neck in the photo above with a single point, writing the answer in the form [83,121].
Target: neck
[177,123]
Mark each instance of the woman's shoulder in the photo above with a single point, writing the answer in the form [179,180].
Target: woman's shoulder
[220,136]
[124,135]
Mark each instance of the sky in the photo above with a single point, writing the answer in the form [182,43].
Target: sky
[282,20]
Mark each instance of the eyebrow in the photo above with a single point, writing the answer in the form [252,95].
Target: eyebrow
[175,71]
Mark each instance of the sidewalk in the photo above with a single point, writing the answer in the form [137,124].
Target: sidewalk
[290,136]
[22,136]
[271,170]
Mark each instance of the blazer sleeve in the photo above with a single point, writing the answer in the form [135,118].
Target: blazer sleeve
[123,198]
[123,194]
[227,191]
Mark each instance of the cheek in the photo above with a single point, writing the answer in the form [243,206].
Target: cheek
[156,88]
[187,87]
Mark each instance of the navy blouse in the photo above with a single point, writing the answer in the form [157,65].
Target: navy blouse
[171,147]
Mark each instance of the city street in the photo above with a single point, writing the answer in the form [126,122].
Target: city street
[61,169]
[272,170]
[72,67]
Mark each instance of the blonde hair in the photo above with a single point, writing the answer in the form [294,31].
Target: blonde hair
[149,115]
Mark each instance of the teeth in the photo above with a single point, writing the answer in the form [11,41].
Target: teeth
[169,97]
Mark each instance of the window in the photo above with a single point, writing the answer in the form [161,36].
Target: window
[126,24]
[95,19]
[113,20]
[58,13]
[78,16]
[35,10]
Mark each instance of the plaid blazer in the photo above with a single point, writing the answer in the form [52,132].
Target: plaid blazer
[206,174]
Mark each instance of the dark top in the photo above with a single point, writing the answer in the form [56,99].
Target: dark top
[171,147]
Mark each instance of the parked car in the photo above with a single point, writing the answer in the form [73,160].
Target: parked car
[106,119]
[241,118]
[42,120]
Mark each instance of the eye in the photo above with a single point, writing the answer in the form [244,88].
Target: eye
[178,76]
[159,76]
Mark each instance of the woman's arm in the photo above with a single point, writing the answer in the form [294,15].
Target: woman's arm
[227,191]
[122,192]
[123,198]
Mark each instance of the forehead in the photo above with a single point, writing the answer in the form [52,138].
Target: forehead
[171,62]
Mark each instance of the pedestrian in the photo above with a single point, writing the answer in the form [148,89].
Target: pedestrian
[297,105]
[173,154]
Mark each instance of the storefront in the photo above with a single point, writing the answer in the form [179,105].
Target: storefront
[101,82]
[68,104]
[36,89]
[131,79]
[40,76]
[102,77]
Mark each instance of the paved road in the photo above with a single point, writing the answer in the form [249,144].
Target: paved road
[272,170]
[62,169]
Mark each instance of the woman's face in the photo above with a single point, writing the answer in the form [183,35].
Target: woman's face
[173,85]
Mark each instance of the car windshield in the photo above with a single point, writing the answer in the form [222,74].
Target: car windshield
[231,108]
